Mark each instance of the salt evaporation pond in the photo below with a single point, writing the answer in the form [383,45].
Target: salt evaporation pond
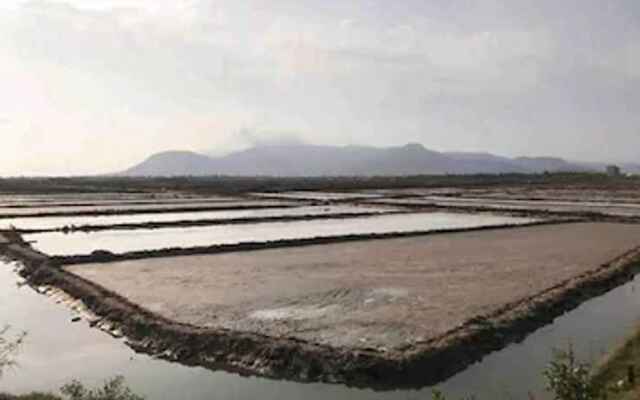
[132,209]
[620,209]
[107,203]
[104,196]
[48,223]
[121,241]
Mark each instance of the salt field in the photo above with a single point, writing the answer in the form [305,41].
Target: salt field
[58,243]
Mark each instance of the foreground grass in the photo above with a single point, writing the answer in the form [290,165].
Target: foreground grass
[614,371]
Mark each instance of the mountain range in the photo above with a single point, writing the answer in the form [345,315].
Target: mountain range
[315,160]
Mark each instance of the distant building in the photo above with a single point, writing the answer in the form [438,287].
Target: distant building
[613,170]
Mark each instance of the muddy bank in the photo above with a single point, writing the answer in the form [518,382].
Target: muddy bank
[420,365]
[103,256]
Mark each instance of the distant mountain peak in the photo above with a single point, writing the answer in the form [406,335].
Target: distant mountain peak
[414,146]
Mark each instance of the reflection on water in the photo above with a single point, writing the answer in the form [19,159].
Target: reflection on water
[102,220]
[123,241]
[57,350]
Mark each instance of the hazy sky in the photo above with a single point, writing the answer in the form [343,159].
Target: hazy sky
[93,86]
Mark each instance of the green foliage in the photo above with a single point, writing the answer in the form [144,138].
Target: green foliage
[568,379]
[113,389]
[438,395]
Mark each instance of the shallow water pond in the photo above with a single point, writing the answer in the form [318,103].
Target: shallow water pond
[612,208]
[57,243]
[43,223]
[145,208]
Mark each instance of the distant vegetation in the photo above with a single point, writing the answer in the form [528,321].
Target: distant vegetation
[228,184]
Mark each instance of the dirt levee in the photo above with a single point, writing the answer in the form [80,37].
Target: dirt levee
[387,295]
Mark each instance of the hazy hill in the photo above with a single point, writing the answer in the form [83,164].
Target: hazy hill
[631,168]
[312,160]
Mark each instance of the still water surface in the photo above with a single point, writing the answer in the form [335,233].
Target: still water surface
[58,243]
[132,209]
[105,220]
[611,208]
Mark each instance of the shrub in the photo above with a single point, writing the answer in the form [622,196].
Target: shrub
[569,379]
[113,389]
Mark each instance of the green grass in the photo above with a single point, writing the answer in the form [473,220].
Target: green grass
[613,369]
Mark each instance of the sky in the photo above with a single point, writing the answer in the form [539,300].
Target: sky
[94,86]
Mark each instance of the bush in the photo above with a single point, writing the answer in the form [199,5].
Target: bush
[438,395]
[113,389]
[569,379]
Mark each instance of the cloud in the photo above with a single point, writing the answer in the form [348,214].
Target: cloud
[514,77]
